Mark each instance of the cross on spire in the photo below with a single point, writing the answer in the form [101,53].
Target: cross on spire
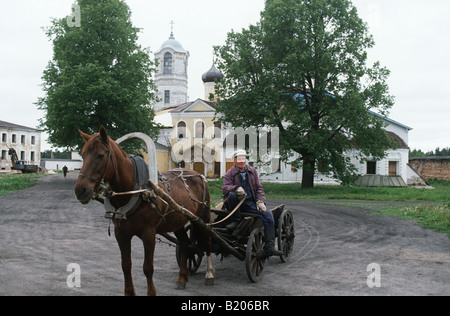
[171,28]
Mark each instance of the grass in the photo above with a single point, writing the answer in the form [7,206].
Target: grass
[13,182]
[293,191]
[433,213]
[435,217]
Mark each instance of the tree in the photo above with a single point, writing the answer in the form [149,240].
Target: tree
[302,68]
[99,75]
[418,153]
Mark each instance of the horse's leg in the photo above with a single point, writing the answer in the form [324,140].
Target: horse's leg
[125,251]
[149,240]
[207,244]
[209,277]
[183,275]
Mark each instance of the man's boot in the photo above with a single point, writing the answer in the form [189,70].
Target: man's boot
[269,247]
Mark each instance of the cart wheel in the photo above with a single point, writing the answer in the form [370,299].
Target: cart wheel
[196,257]
[286,235]
[254,255]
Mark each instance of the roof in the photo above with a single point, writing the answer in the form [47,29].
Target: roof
[212,74]
[17,127]
[370,180]
[173,44]
[184,106]
[397,140]
[391,121]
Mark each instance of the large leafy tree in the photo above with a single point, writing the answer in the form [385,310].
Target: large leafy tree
[99,75]
[303,69]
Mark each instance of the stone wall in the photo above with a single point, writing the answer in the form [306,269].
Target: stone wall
[432,167]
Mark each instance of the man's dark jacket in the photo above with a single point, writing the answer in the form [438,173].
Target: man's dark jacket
[232,181]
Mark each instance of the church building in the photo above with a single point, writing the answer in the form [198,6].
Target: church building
[190,138]
[171,76]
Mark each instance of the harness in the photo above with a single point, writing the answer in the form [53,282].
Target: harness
[140,178]
[99,182]
[141,191]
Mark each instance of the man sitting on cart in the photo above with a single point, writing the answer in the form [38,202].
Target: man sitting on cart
[242,181]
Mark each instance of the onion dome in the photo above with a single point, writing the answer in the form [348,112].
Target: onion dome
[212,74]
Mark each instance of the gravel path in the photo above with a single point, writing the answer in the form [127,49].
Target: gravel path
[43,229]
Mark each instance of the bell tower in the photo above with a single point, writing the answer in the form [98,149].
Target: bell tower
[171,77]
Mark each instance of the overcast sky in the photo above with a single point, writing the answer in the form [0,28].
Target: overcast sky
[412,40]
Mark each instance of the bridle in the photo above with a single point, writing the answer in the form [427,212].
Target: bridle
[110,158]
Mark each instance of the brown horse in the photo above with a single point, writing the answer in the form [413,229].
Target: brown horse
[105,161]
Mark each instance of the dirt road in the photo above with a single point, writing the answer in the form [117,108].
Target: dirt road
[44,229]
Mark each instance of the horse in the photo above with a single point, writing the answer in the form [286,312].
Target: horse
[105,161]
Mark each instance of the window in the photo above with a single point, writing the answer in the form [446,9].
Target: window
[217,130]
[371,167]
[32,156]
[14,138]
[167,63]
[322,166]
[199,130]
[22,139]
[167,96]
[22,155]
[181,130]
[3,154]
[4,137]
[33,140]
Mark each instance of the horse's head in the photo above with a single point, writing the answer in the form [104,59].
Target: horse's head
[98,164]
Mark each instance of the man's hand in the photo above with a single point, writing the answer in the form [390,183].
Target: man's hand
[240,192]
[261,206]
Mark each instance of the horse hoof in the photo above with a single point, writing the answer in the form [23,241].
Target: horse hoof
[181,286]
[209,282]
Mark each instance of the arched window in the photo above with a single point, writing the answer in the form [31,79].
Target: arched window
[181,130]
[217,130]
[199,129]
[167,63]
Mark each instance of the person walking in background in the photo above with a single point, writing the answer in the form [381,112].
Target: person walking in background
[65,170]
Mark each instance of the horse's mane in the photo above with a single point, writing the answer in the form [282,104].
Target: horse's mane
[119,149]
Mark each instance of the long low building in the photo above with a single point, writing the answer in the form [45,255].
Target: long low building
[26,141]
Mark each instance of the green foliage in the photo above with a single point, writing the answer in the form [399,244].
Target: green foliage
[293,191]
[99,75]
[56,154]
[417,153]
[435,217]
[303,69]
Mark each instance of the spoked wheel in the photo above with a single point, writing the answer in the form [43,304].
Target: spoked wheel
[286,235]
[195,256]
[254,255]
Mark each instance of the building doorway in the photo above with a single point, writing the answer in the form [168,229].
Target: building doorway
[393,168]
[199,167]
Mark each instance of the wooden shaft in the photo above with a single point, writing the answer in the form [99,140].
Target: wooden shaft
[195,220]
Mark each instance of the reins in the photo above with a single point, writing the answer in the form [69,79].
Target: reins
[150,193]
